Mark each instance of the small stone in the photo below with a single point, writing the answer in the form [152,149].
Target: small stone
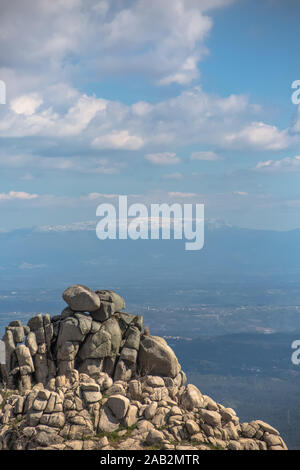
[154,437]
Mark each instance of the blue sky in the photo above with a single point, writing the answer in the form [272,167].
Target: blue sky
[170,101]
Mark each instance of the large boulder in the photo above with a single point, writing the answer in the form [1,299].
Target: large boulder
[70,331]
[157,358]
[113,297]
[81,298]
[105,342]
[212,418]
[110,302]
[192,397]
[118,404]
[107,420]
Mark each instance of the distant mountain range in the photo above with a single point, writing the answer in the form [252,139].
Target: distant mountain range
[47,256]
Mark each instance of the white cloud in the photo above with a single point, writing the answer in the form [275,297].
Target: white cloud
[163,158]
[93,196]
[25,265]
[36,163]
[240,193]
[118,140]
[186,73]
[205,155]
[288,165]
[91,124]
[83,41]
[181,195]
[28,118]
[164,40]
[261,136]
[26,104]
[17,195]
[141,108]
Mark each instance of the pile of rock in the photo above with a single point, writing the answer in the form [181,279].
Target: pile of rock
[91,379]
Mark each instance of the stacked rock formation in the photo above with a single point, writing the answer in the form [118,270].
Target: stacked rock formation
[90,378]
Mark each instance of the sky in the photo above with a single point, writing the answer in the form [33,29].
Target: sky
[183,101]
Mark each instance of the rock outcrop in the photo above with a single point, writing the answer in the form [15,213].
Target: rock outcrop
[90,378]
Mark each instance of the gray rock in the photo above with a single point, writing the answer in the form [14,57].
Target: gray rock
[91,367]
[192,398]
[192,427]
[15,323]
[105,342]
[67,350]
[126,319]
[69,331]
[272,440]
[9,350]
[227,414]
[35,322]
[80,298]
[157,358]
[248,431]
[41,368]
[92,396]
[118,404]
[133,337]
[154,437]
[234,445]
[129,355]
[31,343]
[266,427]
[150,411]
[115,389]
[84,322]
[209,403]
[55,420]
[18,333]
[131,417]
[106,310]
[124,370]
[90,387]
[155,381]
[24,357]
[107,421]
[212,418]
[112,297]
[135,390]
